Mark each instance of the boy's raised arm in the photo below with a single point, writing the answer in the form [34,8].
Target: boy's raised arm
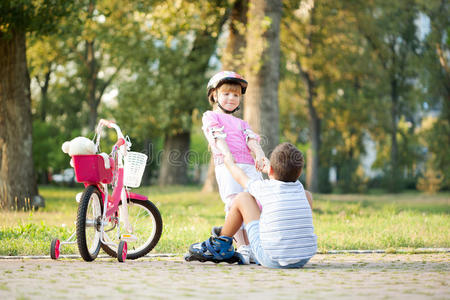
[235,171]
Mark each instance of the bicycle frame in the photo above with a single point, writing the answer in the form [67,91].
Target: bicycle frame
[119,193]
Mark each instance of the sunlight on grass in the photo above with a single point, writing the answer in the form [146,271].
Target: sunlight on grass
[408,220]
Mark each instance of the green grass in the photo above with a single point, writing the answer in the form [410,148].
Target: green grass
[373,221]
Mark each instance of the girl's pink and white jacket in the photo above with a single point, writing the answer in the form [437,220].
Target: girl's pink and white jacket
[236,133]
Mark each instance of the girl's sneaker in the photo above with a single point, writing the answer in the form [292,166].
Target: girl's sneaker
[247,254]
[245,251]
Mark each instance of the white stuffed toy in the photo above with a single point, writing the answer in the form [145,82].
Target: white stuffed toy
[79,146]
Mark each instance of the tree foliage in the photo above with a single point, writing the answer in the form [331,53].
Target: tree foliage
[435,78]
[167,74]
[351,72]
[32,15]
[324,60]
[392,38]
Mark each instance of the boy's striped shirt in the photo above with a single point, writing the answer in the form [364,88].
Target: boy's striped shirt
[286,226]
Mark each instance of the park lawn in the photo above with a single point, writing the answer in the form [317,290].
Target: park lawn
[370,221]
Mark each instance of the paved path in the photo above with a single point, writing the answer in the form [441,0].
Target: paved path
[374,276]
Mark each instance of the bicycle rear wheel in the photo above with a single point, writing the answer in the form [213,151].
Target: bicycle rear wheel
[88,223]
[147,225]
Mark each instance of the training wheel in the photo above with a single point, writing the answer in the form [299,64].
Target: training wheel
[54,248]
[122,251]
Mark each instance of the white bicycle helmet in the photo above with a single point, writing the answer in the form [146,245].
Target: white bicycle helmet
[226,77]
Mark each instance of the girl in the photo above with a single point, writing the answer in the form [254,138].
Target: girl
[223,131]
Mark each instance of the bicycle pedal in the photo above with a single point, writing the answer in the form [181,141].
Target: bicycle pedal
[128,237]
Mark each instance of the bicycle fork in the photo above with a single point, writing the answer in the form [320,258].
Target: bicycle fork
[103,220]
[123,217]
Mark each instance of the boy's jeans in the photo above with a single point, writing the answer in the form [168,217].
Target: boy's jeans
[255,243]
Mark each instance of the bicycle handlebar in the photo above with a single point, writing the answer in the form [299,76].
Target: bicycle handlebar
[110,124]
[120,142]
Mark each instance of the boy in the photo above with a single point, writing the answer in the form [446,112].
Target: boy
[281,234]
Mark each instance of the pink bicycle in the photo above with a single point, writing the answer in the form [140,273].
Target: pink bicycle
[124,224]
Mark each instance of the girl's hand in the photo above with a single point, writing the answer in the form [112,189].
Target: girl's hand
[266,168]
[261,164]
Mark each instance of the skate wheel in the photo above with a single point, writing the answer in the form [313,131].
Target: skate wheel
[193,257]
[54,248]
[122,251]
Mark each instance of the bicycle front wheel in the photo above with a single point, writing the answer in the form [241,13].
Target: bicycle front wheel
[88,223]
[147,226]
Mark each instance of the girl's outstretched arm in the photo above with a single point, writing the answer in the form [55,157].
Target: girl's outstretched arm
[222,145]
[260,158]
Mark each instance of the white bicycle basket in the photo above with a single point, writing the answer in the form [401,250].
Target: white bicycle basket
[134,167]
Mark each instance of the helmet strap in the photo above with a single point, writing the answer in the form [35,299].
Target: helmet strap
[228,111]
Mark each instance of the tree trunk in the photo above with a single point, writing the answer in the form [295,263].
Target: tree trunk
[43,175]
[394,182]
[233,55]
[92,74]
[232,59]
[174,162]
[263,70]
[17,178]
[312,164]
[210,184]
[148,149]
[313,170]
[91,84]
[44,92]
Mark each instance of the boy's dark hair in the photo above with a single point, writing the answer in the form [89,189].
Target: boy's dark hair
[287,162]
